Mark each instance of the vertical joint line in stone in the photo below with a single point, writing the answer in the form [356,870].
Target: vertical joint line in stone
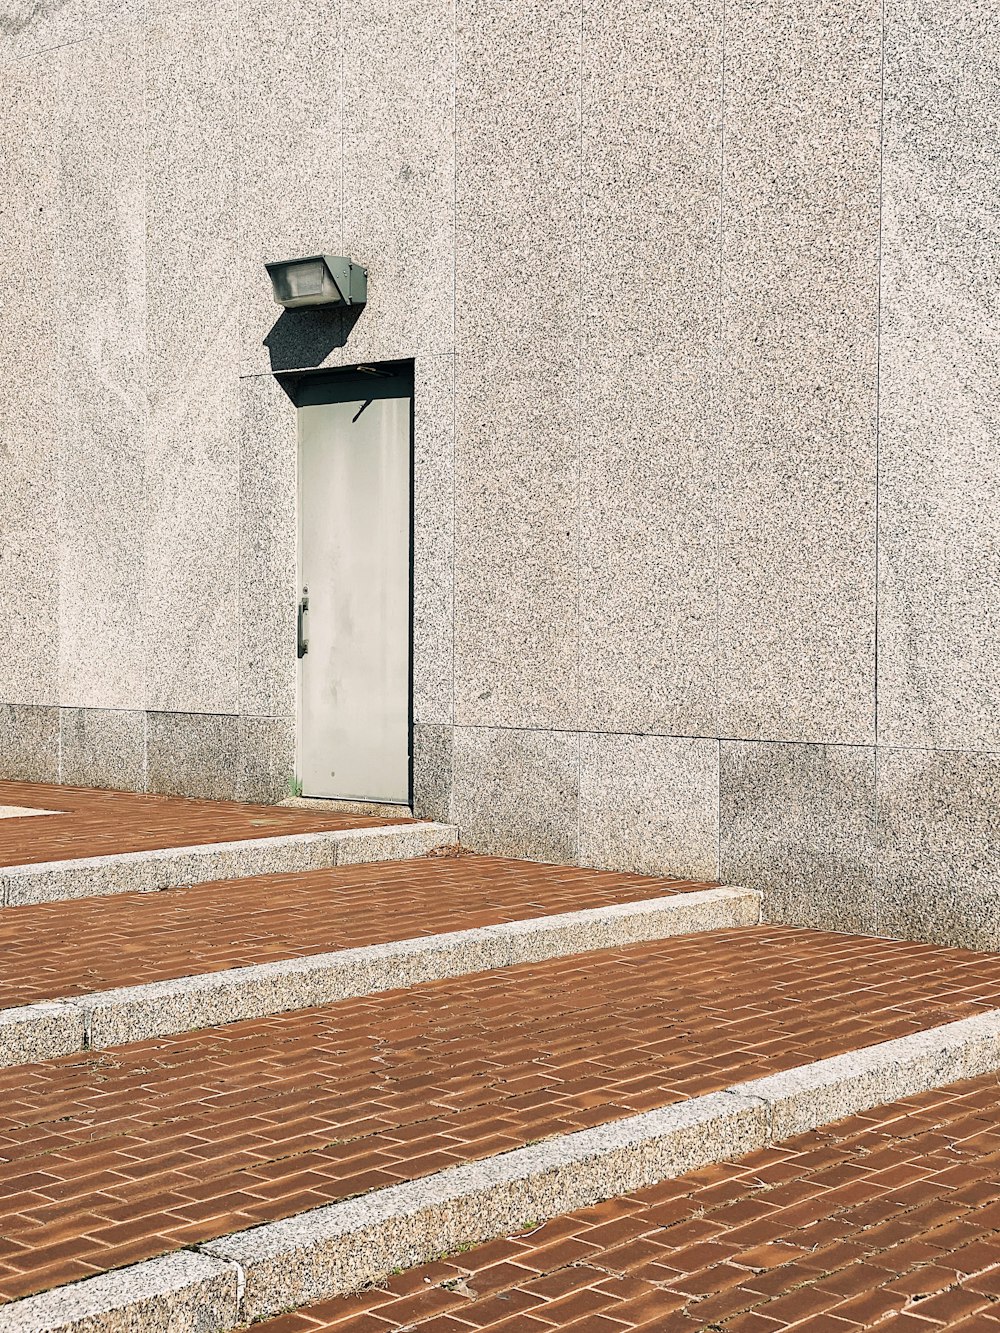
[716,409]
[878,359]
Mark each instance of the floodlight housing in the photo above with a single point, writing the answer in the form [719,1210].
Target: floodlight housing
[318,280]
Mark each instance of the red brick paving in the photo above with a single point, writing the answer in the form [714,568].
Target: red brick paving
[109,1158]
[92,822]
[887,1221]
[69,948]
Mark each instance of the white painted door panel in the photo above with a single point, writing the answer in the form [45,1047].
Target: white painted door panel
[354,568]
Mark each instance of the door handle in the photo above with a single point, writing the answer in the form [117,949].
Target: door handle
[302,646]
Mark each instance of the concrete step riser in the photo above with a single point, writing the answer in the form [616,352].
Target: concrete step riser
[115,1017]
[341,1247]
[148,872]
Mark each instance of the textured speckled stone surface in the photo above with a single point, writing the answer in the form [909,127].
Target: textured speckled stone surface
[345,1245]
[136,1013]
[290,93]
[179,1293]
[433,538]
[516,375]
[392,844]
[939,829]
[650,804]
[267,541]
[265,758]
[102,340]
[798,823]
[29,743]
[799,324]
[29,384]
[193,754]
[939,549]
[37,26]
[652,147]
[191,540]
[399,174]
[146,872]
[39,1032]
[432,771]
[516,793]
[818,1094]
[103,748]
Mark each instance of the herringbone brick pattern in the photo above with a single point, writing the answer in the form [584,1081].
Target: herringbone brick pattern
[887,1221]
[69,948]
[108,1158]
[93,822]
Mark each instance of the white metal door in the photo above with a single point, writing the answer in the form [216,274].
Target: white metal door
[354,570]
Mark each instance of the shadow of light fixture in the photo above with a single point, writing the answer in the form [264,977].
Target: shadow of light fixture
[327,280]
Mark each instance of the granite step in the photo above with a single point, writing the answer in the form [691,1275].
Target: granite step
[887,1219]
[81,842]
[237,1172]
[95,973]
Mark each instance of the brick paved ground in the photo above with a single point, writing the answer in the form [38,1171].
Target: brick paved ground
[68,948]
[108,1158]
[887,1221]
[101,823]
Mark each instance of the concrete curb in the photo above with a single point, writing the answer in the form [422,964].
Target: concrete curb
[147,872]
[340,1247]
[135,1013]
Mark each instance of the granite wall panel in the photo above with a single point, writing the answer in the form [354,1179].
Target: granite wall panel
[800,228]
[101,258]
[652,154]
[798,823]
[29,383]
[191,530]
[516,793]
[650,804]
[939,541]
[939,835]
[103,748]
[29,743]
[517,360]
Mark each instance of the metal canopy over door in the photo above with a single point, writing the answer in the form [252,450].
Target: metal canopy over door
[354,571]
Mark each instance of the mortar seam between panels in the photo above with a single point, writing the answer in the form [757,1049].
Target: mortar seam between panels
[454,389]
[579,439]
[717,430]
[146,433]
[878,353]
[876,859]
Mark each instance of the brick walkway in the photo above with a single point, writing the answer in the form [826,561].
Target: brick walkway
[112,1157]
[887,1221]
[69,948]
[102,823]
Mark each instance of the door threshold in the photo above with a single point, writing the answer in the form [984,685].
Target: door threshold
[333,806]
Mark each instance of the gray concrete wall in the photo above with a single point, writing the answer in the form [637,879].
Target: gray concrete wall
[703,305]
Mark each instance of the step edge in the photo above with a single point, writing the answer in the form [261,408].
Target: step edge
[31,1033]
[961,1049]
[198,1290]
[416,1220]
[194,863]
[124,1014]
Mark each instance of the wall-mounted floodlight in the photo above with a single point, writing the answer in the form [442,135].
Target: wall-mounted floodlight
[318,280]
